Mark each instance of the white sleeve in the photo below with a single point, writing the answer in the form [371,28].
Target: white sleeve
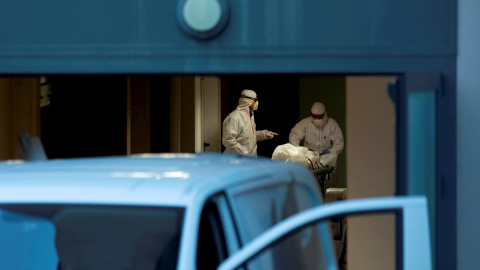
[231,129]
[260,135]
[297,134]
[337,139]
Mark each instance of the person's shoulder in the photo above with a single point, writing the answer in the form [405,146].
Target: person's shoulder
[305,120]
[238,114]
[231,115]
[302,124]
[333,120]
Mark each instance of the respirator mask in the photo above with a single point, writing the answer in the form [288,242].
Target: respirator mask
[318,119]
[252,101]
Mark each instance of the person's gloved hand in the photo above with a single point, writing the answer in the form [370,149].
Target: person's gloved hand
[325,151]
[270,134]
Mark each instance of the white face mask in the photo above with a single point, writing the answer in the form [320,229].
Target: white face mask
[318,122]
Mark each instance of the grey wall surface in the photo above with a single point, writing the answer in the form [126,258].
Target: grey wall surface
[19,113]
[468,70]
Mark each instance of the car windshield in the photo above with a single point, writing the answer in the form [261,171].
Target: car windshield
[89,237]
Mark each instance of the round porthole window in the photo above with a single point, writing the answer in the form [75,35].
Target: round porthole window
[202,19]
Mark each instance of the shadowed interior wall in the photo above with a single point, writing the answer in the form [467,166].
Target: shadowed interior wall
[86,116]
[19,112]
[139,114]
[160,113]
[182,109]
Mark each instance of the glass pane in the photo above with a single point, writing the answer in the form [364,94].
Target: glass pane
[421,149]
[366,235]
[310,248]
[301,251]
[89,237]
[269,205]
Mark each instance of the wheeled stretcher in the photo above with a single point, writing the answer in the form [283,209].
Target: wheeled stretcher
[322,166]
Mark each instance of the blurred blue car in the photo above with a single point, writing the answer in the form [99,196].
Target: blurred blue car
[180,211]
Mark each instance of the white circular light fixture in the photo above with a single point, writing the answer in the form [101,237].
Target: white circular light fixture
[202,19]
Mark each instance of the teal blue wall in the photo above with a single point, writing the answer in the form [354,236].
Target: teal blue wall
[143,36]
[468,217]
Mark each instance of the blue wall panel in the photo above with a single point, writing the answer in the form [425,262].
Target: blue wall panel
[139,36]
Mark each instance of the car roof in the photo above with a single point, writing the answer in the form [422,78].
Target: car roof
[146,179]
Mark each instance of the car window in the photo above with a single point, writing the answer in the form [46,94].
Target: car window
[313,243]
[93,237]
[301,250]
[411,212]
[211,248]
[260,208]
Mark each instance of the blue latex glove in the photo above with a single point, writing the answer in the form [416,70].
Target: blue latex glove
[325,152]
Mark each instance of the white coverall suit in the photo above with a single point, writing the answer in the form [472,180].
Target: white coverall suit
[328,136]
[239,131]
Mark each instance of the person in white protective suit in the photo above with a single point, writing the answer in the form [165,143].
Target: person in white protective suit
[239,129]
[319,132]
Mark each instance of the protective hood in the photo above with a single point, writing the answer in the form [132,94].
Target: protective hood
[318,108]
[245,103]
